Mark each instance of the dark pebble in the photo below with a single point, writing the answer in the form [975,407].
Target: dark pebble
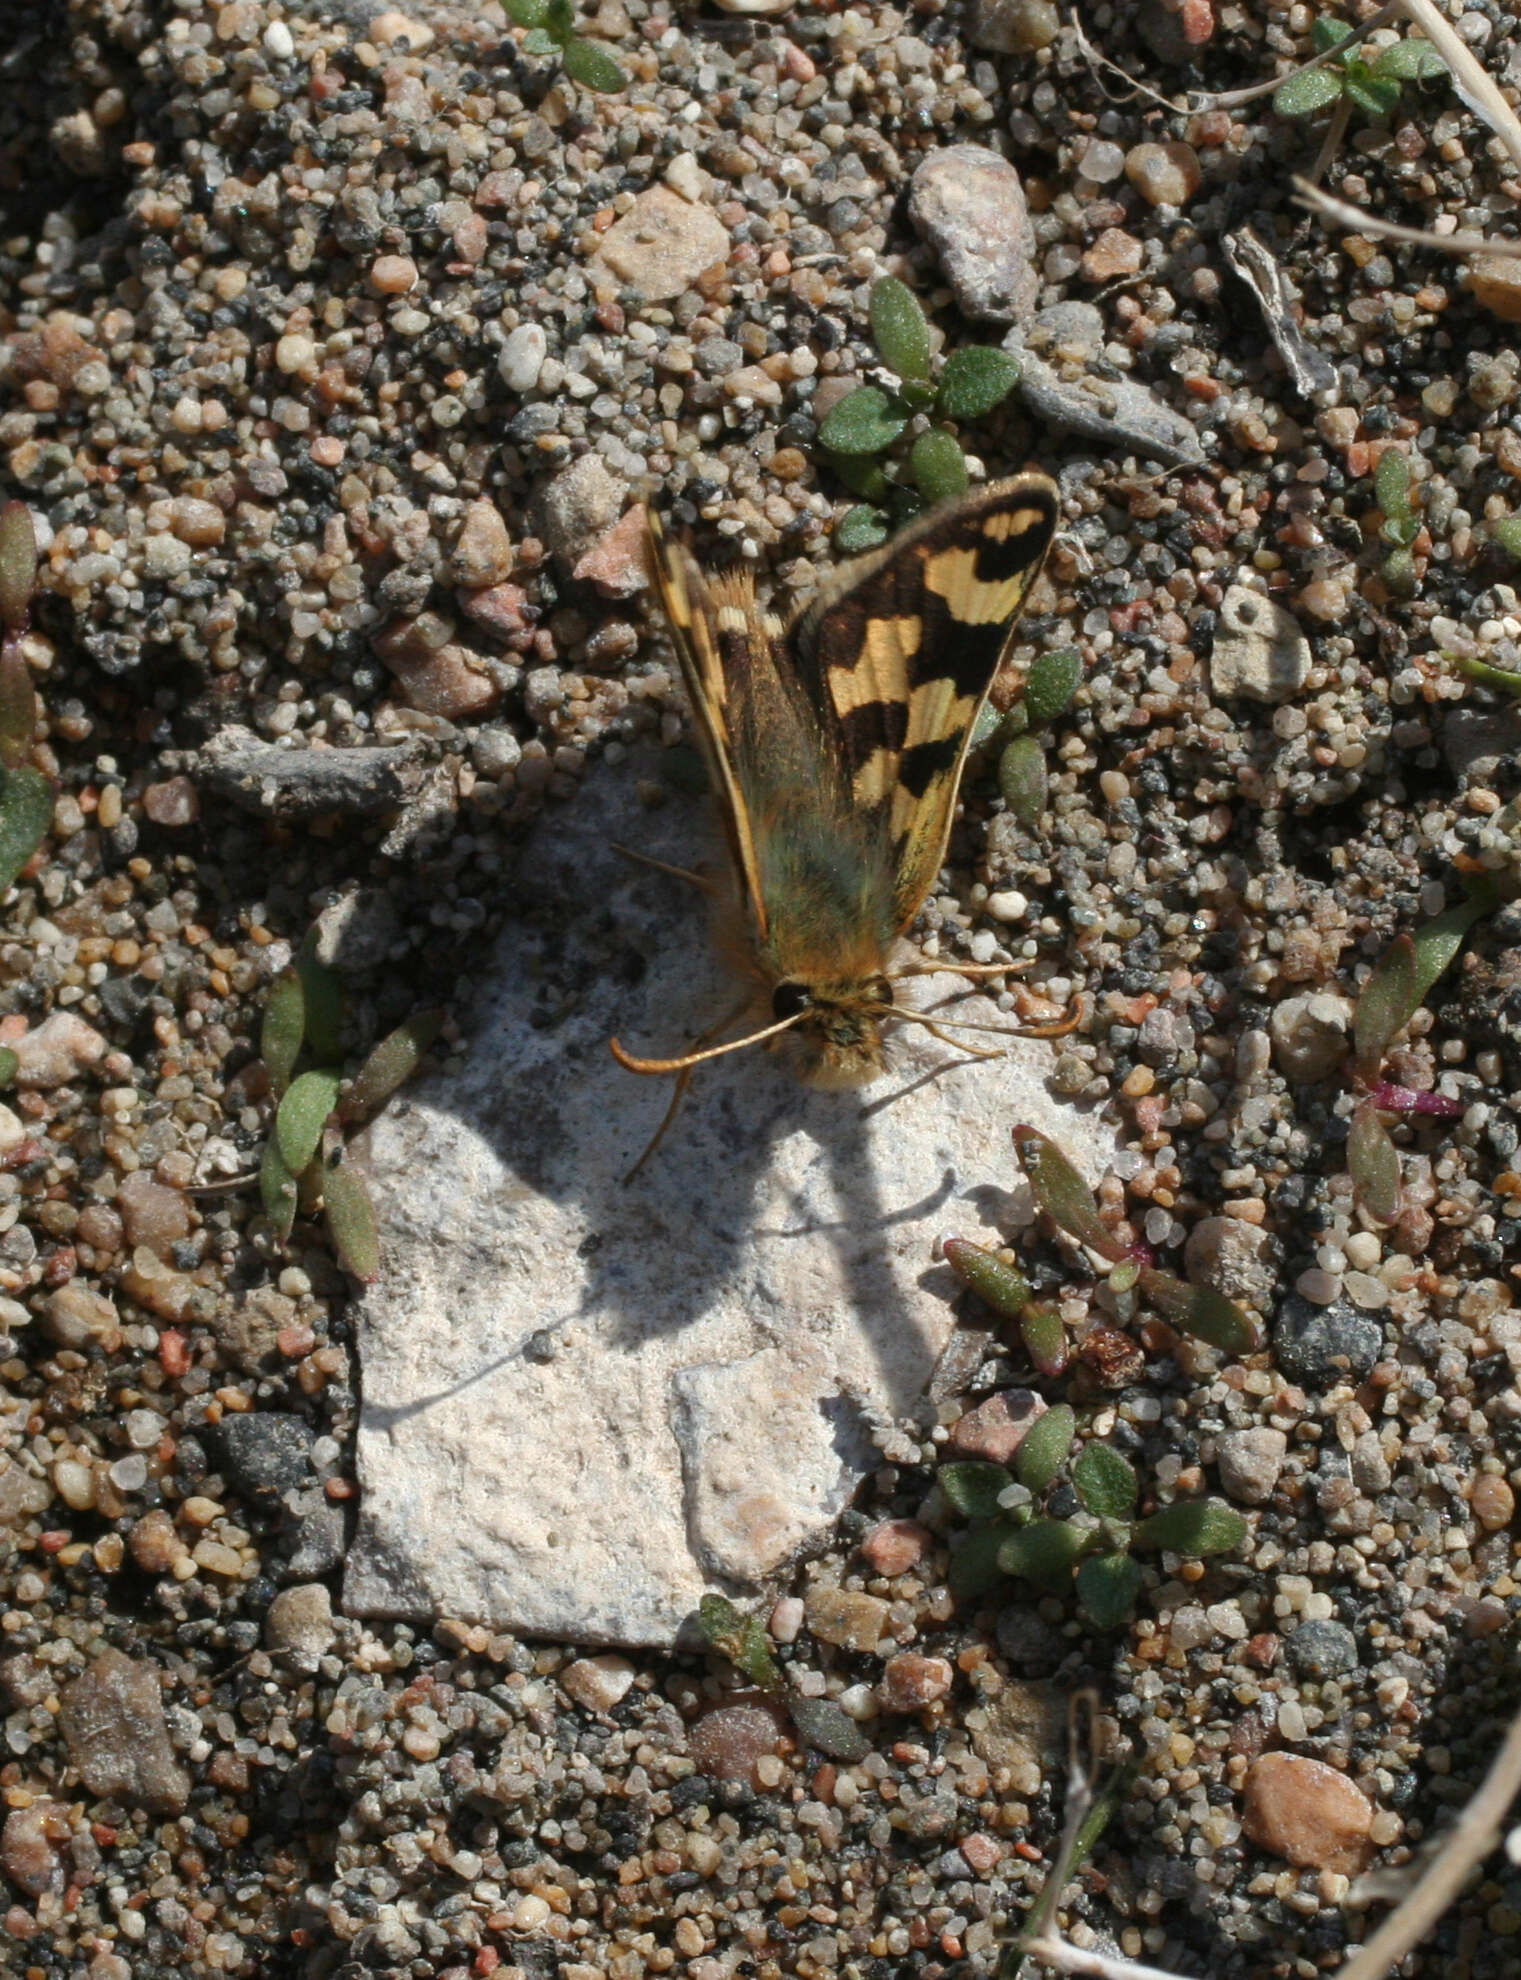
[1322,1345]
[1322,1649]
[264,1454]
[823,1725]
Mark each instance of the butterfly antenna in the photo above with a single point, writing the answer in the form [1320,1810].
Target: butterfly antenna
[690,1059]
[699,880]
[935,1031]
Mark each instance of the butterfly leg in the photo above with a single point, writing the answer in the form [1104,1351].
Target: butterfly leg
[699,880]
[959,969]
[684,1080]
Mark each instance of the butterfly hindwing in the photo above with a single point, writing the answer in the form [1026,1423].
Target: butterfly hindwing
[899,653]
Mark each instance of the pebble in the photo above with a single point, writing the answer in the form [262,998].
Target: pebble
[151,1214]
[1250,1462]
[995,1429]
[1495,280]
[1236,1258]
[662,244]
[1307,1813]
[1014,27]
[1259,650]
[56,1051]
[298,1624]
[446,682]
[522,356]
[580,504]
[909,1682]
[893,1546]
[76,1316]
[1311,1035]
[1493,1502]
[172,803]
[842,1616]
[968,204]
[1120,412]
[154,1544]
[1322,1650]
[483,549]
[1321,1345]
[599,1683]
[393,275]
[1113,254]
[1164,174]
[264,1453]
[731,1742]
[618,563]
[112,1719]
[33,1846]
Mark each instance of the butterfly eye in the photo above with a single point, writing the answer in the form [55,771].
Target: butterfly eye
[790,1000]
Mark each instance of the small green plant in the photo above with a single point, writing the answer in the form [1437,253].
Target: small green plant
[1052,681]
[1353,81]
[304,1165]
[26,795]
[872,420]
[1507,533]
[1394,991]
[743,1641]
[1401,524]
[551,26]
[1090,1550]
[1060,1191]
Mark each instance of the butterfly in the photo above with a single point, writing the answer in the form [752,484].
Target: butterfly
[835,746]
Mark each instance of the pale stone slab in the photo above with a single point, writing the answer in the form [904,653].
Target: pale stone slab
[585,1402]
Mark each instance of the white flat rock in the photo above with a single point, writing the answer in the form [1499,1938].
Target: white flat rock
[588,1402]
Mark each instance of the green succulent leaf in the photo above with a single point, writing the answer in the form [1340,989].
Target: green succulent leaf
[1105,1483]
[1045,1447]
[302,1115]
[1201,1311]
[10,1065]
[541,44]
[560,18]
[829,1729]
[1409,61]
[974,1567]
[1311,90]
[529,13]
[1374,1165]
[593,66]
[1328,33]
[996,1283]
[938,466]
[863,476]
[278,1188]
[975,380]
[1374,94]
[26,817]
[349,1212]
[1195,1528]
[1051,683]
[393,1061]
[1023,780]
[283,1028]
[1399,574]
[899,328]
[989,721]
[1060,1191]
[866,421]
[1045,1551]
[1391,484]
[918,394]
[972,1489]
[1107,1585]
[860,529]
[324,1003]
[18,565]
[1045,1338]
[1385,1004]
[1439,942]
[18,705]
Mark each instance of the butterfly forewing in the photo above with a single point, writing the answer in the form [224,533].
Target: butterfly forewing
[899,653]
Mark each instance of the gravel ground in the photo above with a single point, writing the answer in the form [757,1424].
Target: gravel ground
[328,389]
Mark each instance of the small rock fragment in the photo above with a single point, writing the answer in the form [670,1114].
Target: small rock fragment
[1307,1813]
[1323,1345]
[1164,174]
[618,562]
[1234,1257]
[152,1214]
[598,1683]
[302,783]
[56,1051]
[76,1317]
[1259,650]
[662,244]
[444,682]
[299,1624]
[729,1742]
[356,932]
[112,1717]
[172,803]
[845,1617]
[909,1682]
[968,204]
[153,1543]
[265,1453]
[1113,254]
[1321,1649]
[893,1546]
[1120,412]
[995,1429]
[1014,27]
[1249,1462]
[32,1847]
[521,358]
[579,505]
[483,550]
[1311,1035]
[1495,280]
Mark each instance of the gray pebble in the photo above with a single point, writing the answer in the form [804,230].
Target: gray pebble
[1322,1345]
[1322,1649]
[968,204]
